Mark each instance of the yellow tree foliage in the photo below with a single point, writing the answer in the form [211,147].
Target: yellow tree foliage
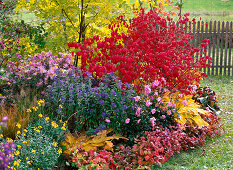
[74,20]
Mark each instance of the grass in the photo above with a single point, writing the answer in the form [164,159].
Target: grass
[218,151]
[209,9]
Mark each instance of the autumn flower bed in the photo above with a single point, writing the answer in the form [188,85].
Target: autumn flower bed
[130,100]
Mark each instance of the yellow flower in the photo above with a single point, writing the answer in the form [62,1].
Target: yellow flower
[42,153]
[17,153]
[59,100]
[29,110]
[54,125]
[25,130]
[33,151]
[16,163]
[1,135]
[63,128]
[40,127]
[40,115]
[55,144]
[18,125]
[47,119]
[35,129]
[23,134]
[59,150]
[41,101]
[29,162]
[18,132]
[35,108]
[60,106]
[19,146]
[25,142]
[27,158]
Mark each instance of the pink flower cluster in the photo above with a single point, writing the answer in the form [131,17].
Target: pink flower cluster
[40,68]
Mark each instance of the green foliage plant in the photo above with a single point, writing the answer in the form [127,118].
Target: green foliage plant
[38,144]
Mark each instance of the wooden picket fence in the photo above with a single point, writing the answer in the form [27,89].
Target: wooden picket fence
[220,47]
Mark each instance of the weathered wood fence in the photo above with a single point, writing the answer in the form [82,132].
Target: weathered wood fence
[220,47]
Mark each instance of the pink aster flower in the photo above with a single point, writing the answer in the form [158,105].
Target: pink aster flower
[139,121]
[153,121]
[127,120]
[138,112]
[169,112]
[185,103]
[153,111]
[147,89]
[159,99]
[163,117]
[148,103]
[155,83]
[5,118]
[137,98]
[157,105]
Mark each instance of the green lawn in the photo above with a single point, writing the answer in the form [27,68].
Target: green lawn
[218,151]
[209,9]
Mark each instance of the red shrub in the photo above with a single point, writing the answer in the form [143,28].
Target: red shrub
[150,49]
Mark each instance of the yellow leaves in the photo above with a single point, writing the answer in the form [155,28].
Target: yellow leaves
[94,142]
[190,114]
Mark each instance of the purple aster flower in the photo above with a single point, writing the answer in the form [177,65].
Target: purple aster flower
[102,94]
[92,111]
[102,127]
[102,102]
[113,105]
[113,93]
[102,114]
[125,107]
[5,118]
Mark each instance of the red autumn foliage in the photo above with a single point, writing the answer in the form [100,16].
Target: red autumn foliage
[151,49]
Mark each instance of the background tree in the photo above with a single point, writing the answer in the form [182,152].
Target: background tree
[73,21]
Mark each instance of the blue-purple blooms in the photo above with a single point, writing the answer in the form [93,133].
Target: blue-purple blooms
[6,148]
[113,105]
[102,102]
[87,99]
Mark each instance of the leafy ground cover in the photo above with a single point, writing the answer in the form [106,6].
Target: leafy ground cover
[216,153]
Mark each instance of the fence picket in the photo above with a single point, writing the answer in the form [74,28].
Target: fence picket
[214,43]
[211,42]
[217,52]
[226,45]
[221,50]
[230,64]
